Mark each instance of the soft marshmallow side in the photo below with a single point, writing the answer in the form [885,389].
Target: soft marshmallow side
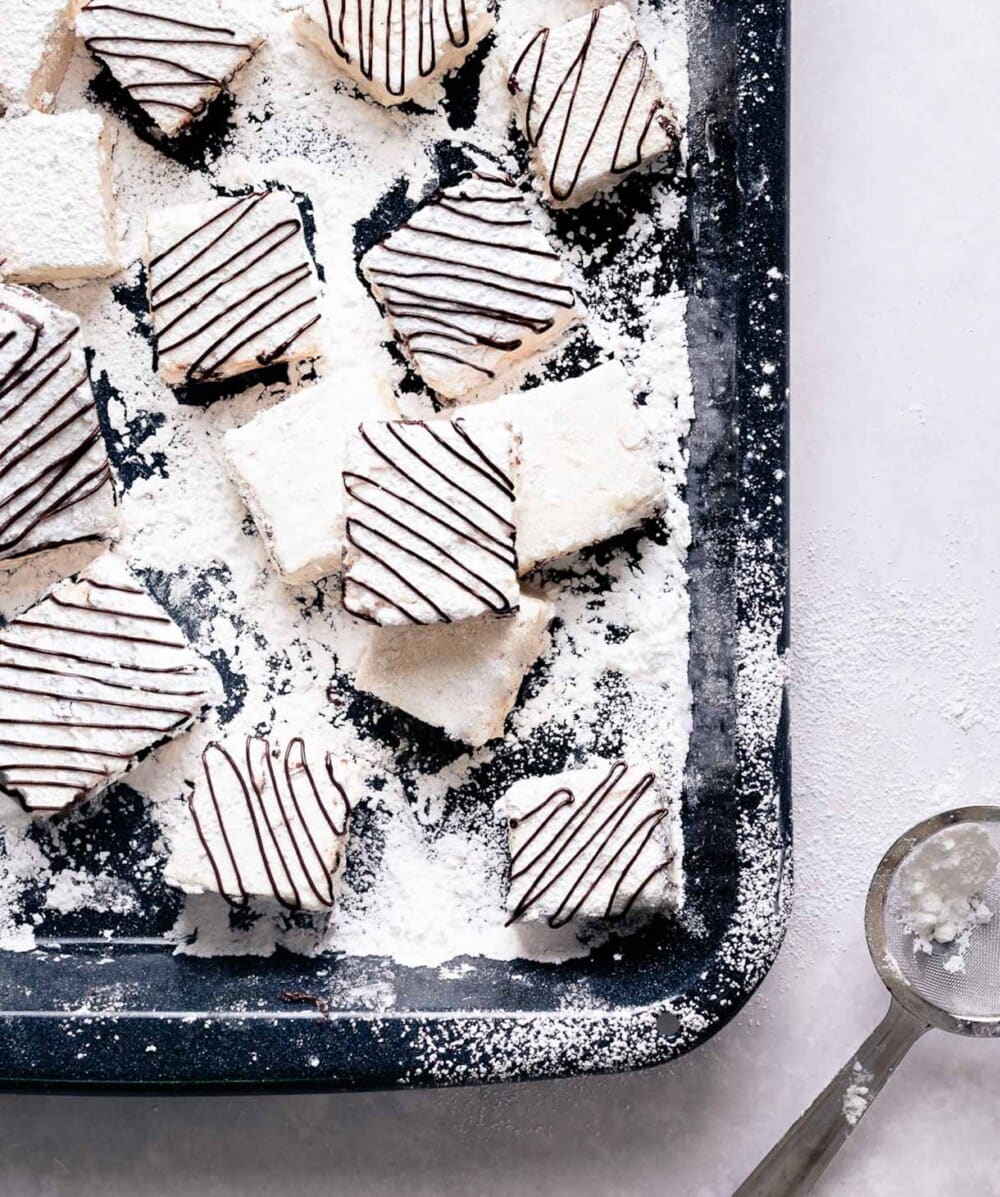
[463,679]
[36,45]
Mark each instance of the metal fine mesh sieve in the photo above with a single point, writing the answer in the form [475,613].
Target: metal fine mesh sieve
[963,977]
[955,986]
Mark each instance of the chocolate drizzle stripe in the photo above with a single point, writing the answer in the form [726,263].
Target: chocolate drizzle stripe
[82,725]
[151,16]
[75,749]
[93,584]
[579,844]
[478,242]
[23,366]
[90,701]
[76,675]
[69,630]
[279,812]
[360,613]
[121,39]
[66,728]
[244,282]
[52,785]
[354,38]
[142,616]
[49,767]
[562,93]
[117,666]
[448,281]
[477,529]
[506,487]
[399,527]
[406,308]
[476,280]
[564,299]
[41,382]
[651,823]
[521,222]
[52,454]
[503,552]
[640,890]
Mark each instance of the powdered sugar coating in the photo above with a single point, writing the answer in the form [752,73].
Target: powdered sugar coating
[55,478]
[35,48]
[583,437]
[173,57]
[395,50]
[57,231]
[91,677]
[589,102]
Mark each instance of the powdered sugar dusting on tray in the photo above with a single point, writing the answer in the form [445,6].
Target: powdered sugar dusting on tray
[425,876]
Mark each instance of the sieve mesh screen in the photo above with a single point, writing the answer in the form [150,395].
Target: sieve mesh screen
[962,979]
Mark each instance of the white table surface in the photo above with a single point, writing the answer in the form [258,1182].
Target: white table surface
[896,444]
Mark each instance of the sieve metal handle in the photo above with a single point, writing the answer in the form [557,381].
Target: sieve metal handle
[797,1162]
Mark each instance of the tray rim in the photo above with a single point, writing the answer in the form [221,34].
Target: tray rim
[761,118]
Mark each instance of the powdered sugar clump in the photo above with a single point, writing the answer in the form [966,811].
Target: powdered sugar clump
[857,1095]
[941,884]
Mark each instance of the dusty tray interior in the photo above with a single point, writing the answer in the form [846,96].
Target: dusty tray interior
[635,1001]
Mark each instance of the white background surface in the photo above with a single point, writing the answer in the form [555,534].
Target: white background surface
[896,444]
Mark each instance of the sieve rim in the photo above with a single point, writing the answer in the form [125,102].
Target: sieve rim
[885,962]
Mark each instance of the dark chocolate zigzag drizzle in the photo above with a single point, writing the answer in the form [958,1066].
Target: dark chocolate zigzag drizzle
[58,459]
[269,802]
[569,859]
[352,29]
[385,534]
[164,42]
[478,301]
[104,699]
[179,286]
[535,123]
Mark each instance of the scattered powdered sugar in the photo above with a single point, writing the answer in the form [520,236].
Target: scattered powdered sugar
[857,1095]
[73,889]
[426,867]
[21,860]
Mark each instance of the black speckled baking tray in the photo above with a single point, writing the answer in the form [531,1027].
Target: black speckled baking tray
[187,1024]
